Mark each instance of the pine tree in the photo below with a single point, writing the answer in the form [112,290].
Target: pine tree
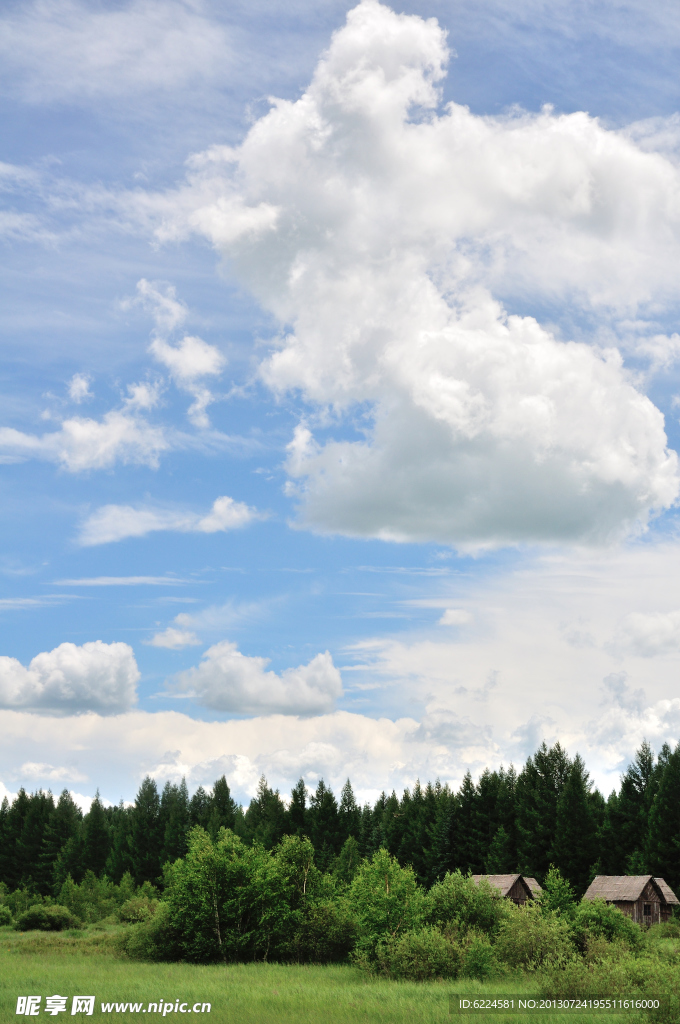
[222,808]
[500,858]
[467,850]
[538,788]
[575,832]
[663,844]
[146,838]
[324,826]
[200,807]
[96,838]
[174,821]
[296,815]
[349,815]
[443,856]
[265,818]
[63,825]
[119,860]
[29,845]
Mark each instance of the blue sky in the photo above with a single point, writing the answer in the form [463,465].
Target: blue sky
[339,390]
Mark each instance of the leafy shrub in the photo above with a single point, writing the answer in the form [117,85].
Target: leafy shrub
[5,915]
[419,955]
[557,895]
[137,909]
[325,934]
[457,898]
[596,917]
[386,900]
[529,938]
[155,939]
[480,959]
[46,919]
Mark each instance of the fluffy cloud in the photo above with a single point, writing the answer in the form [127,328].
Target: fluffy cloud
[379,232]
[95,677]
[227,680]
[81,444]
[455,617]
[189,361]
[648,635]
[115,522]
[67,49]
[79,388]
[174,639]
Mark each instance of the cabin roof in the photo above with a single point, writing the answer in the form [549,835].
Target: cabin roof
[506,882]
[536,889]
[620,888]
[667,891]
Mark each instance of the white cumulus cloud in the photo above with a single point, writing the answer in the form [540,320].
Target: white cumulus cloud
[116,522]
[648,634]
[94,677]
[227,680]
[455,617]
[190,360]
[82,443]
[174,639]
[379,231]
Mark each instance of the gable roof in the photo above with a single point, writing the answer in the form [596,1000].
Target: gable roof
[620,888]
[506,882]
[535,888]
[667,891]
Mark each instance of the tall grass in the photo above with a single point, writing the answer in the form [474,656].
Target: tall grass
[88,962]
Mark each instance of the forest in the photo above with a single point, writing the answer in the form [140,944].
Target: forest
[546,814]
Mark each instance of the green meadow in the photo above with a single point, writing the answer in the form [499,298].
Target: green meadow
[89,962]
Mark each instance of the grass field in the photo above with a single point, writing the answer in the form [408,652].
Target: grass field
[87,963]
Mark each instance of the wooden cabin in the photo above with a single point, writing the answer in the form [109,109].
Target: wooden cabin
[643,898]
[518,888]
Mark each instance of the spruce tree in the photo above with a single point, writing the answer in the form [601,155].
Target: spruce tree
[174,821]
[663,844]
[324,829]
[29,845]
[63,825]
[443,833]
[349,815]
[200,807]
[575,832]
[222,808]
[146,838]
[296,815]
[119,860]
[96,838]
[538,789]
[265,818]
[468,856]
[500,858]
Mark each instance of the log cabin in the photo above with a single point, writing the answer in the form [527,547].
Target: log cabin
[644,898]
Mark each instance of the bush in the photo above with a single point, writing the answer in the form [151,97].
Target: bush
[480,959]
[596,917]
[152,940]
[46,919]
[137,909]
[5,915]
[419,955]
[386,900]
[530,938]
[326,934]
[457,898]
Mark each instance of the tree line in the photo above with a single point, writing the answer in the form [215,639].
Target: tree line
[548,813]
